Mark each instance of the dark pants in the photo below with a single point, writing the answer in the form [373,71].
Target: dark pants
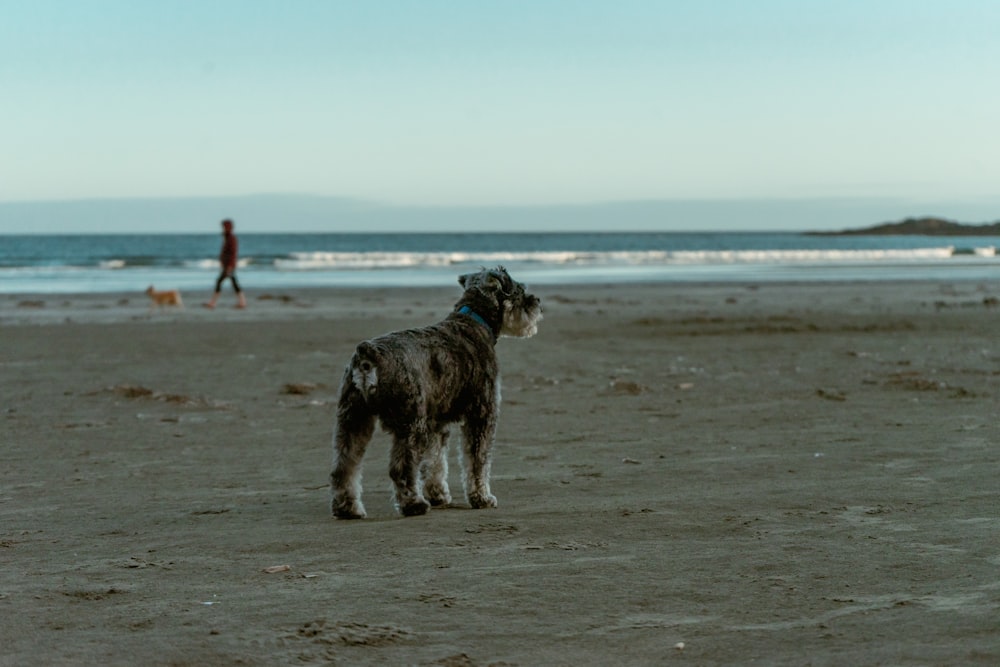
[226,273]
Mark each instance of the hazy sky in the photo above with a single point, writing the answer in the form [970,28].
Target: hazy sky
[501,102]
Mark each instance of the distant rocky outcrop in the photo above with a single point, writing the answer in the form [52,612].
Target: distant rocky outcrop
[921,227]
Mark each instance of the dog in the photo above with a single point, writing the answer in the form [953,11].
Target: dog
[159,299]
[416,383]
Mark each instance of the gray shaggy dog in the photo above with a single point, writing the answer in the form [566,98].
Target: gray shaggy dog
[417,382]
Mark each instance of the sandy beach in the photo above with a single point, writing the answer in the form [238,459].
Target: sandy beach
[779,474]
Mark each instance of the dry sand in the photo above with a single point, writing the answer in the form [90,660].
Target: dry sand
[774,474]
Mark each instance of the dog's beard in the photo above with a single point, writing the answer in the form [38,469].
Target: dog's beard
[518,322]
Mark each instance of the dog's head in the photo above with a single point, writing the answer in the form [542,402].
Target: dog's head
[150,290]
[502,301]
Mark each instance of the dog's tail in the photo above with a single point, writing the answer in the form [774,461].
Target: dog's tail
[364,368]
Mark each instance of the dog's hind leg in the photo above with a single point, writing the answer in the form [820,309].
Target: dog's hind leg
[434,470]
[404,470]
[355,425]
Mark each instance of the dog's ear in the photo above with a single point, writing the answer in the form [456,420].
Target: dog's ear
[487,281]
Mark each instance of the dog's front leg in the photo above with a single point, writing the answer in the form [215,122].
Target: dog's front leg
[404,471]
[478,437]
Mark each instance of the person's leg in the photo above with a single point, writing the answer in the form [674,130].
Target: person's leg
[218,289]
[242,300]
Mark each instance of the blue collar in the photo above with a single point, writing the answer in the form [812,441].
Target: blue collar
[465,310]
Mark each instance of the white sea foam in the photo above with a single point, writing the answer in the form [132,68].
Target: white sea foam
[318,261]
[809,256]
[305,261]
[213,264]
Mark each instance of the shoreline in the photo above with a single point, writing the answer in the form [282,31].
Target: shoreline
[327,302]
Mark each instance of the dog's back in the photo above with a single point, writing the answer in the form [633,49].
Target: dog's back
[398,368]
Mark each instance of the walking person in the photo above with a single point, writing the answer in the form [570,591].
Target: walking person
[227,258]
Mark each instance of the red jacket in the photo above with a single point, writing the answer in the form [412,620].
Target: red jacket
[230,249]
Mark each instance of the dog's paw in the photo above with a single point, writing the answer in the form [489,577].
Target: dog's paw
[349,511]
[437,495]
[415,508]
[482,501]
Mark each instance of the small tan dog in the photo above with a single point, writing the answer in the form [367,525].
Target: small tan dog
[159,299]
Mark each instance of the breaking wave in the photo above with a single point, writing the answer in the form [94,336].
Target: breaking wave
[320,261]
[126,263]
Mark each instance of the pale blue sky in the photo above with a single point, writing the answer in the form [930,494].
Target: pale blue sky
[503,102]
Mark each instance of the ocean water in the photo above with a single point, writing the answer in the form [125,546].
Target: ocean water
[113,263]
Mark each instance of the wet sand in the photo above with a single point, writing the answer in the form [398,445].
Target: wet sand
[687,474]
